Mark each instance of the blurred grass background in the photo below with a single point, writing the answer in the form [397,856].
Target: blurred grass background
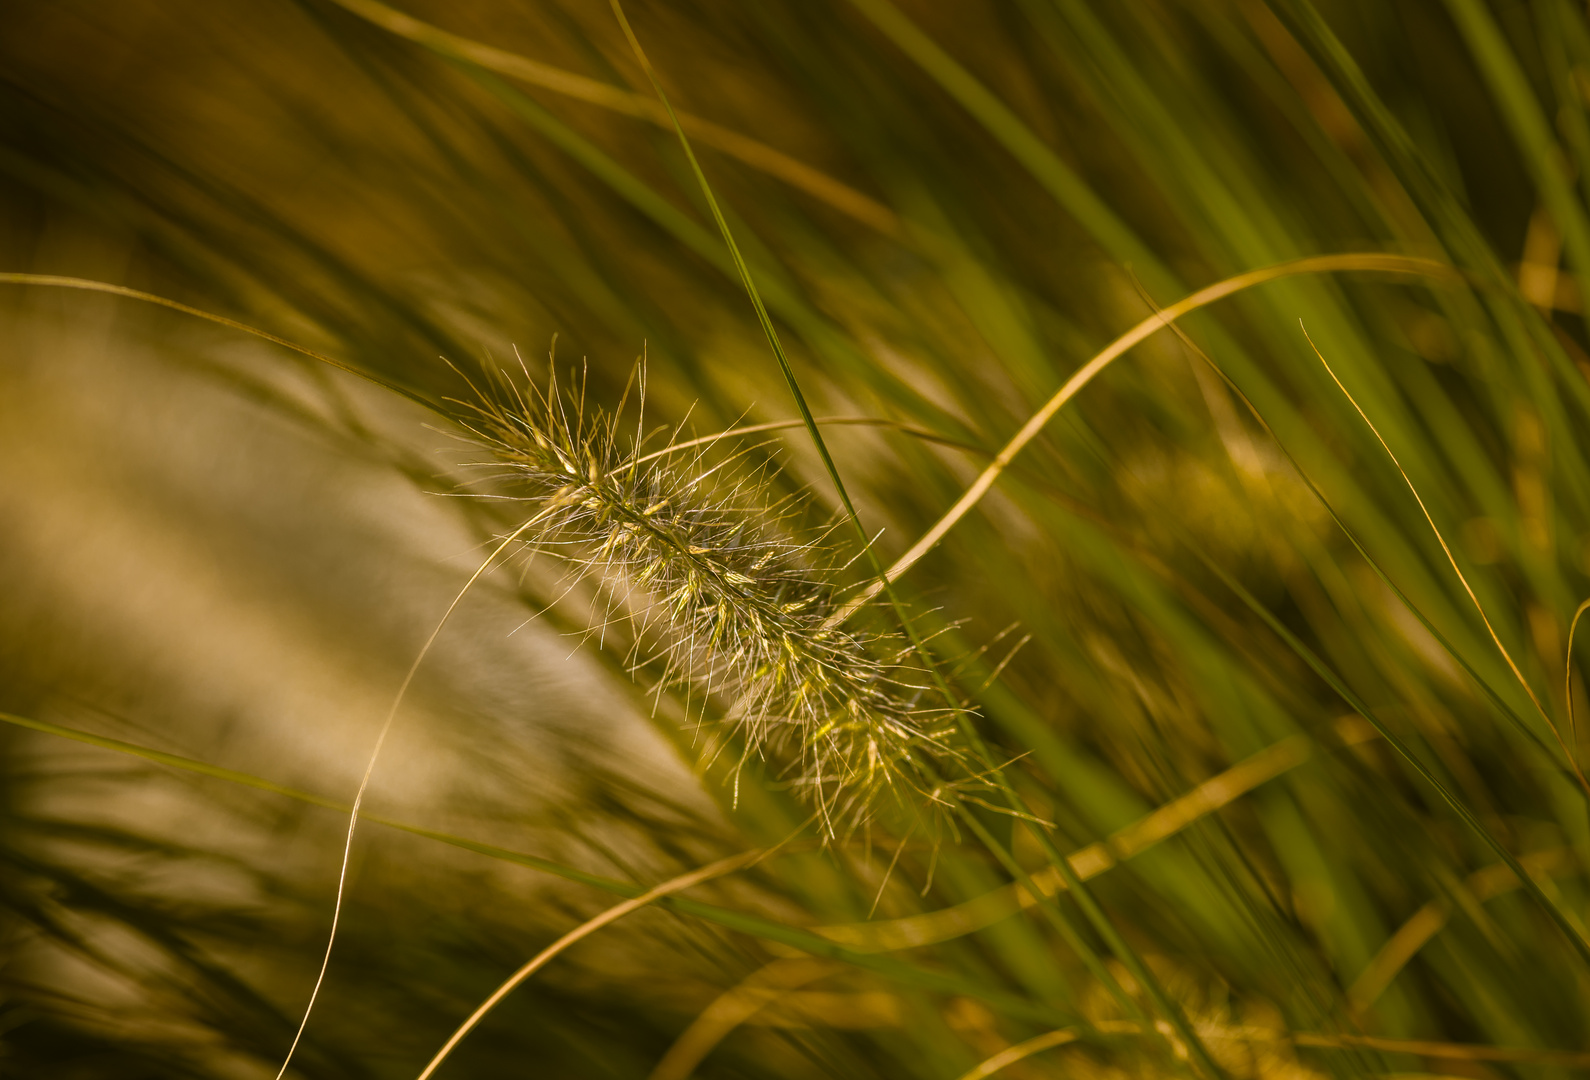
[216,549]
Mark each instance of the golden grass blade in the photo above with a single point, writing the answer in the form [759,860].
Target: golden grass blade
[1319,264]
[731,1009]
[1451,559]
[584,930]
[1013,1054]
[1394,955]
[1088,862]
[1427,922]
[836,1010]
[758,155]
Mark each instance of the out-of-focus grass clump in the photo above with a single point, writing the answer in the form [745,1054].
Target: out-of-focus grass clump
[1296,704]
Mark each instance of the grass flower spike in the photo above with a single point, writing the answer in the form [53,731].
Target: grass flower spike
[727,606]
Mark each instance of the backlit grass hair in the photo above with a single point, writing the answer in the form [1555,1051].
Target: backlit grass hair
[731,608]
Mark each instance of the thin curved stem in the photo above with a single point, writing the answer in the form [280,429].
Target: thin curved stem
[364,783]
[1320,264]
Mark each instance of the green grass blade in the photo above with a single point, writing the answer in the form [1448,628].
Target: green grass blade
[1358,705]
[749,283]
[1541,154]
[1057,178]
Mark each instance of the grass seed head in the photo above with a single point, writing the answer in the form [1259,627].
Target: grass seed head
[727,605]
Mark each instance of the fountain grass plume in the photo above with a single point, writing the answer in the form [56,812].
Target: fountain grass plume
[727,604]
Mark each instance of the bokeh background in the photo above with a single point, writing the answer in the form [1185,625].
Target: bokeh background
[216,548]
